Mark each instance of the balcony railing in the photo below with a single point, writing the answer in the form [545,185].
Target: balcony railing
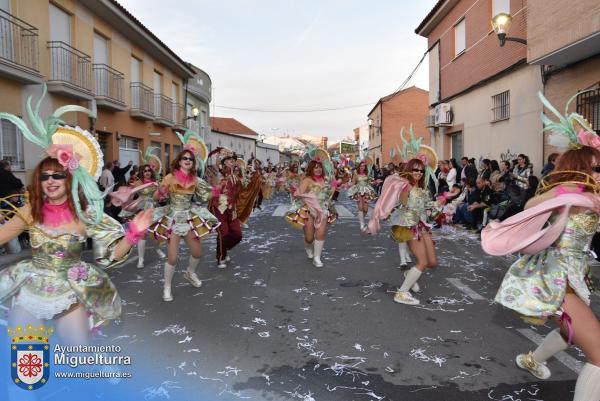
[142,101]
[179,116]
[70,66]
[18,41]
[163,110]
[588,105]
[109,82]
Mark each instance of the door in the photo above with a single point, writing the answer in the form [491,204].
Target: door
[129,151]
[136,91]
[456,143]
[101,72]
[157,92]
[174,90]
[6,37]
[63,61]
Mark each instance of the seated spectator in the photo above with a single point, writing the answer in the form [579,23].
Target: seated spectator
[478,197]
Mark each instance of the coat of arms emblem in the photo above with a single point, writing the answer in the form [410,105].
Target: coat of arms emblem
[30,356]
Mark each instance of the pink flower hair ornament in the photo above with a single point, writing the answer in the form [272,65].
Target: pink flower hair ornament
[587,138]
[191,148]
[65,156]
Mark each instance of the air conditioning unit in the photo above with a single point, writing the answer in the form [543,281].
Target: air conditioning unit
[443,114]
[430,121]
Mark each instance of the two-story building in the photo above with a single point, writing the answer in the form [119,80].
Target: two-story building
[93,53]
[199,93]
[386,119]
[482,97]
[567,47]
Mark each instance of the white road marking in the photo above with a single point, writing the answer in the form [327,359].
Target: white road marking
[280,210]
[566,359]
[465,289]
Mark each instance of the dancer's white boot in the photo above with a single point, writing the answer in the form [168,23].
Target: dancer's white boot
[318,248]
[309,248]
[403,294]
[190,273]
[169,272]
[141,250]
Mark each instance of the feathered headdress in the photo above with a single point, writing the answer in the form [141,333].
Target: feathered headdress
[414,149]
[192,142]
[153,161]
[75,149]
[312,152]
[571,131]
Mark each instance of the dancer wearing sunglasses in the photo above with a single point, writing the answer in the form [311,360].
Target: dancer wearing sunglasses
[408,201]
[361,191]
[313,209]
[554,233]
[183,219]
[65,208]
[144,185]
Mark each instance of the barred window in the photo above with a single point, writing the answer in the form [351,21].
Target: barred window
[11,145]
[501,106]
[588,105]
[128,142]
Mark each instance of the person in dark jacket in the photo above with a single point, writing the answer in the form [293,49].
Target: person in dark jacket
[9,184]
[550,165]
[119,173]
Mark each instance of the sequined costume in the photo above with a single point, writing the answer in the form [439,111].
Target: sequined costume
[55,277]
[299,211]
[414,218]
[535,285]
[292,182]
[229,232]
[362,188]
[181,214]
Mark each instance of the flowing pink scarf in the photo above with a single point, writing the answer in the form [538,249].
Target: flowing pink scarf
[55,215]
[529,232]
[390,193]
[123,197]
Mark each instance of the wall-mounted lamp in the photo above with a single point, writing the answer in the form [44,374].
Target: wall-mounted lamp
[194,116]
[501,24]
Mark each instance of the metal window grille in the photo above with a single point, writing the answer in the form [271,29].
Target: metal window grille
[501,106]
[588,105]
[129,143]
[11,145]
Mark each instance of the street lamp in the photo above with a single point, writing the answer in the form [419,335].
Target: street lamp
[501,24]
[194,116]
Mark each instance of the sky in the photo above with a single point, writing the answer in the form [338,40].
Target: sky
[294,55]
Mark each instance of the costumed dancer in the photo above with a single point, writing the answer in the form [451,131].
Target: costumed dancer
[313,209]
[408,201]
[247,196]
[144,186]
[554,232]
[361,191]
[182,218]
[292,181]
[65,207]
[226,188]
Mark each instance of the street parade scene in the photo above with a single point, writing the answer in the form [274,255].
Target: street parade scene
[423,225]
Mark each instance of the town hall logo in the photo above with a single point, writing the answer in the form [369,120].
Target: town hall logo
[30,356]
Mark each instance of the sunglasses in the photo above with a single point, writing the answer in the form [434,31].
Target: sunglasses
[187,159]
[55,176]
[418,170]
[596,169]
[147,171]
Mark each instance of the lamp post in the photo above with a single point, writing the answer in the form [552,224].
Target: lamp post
[194,116]
[501,24]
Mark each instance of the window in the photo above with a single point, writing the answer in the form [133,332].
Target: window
[176,150]
[501,106]
[588,105]
[136,69]
[127,142]
[11,145]
[60,25]
[459,38]
[500,6]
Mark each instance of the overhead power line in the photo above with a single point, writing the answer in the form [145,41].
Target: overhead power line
[324,109]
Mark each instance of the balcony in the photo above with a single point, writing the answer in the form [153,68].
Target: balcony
[18,50]
[199,91]
[109,87]
[179,117]
[163,111]
[70,72]
[142,102]
[193,125]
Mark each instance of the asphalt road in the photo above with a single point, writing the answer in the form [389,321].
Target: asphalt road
[273,327]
